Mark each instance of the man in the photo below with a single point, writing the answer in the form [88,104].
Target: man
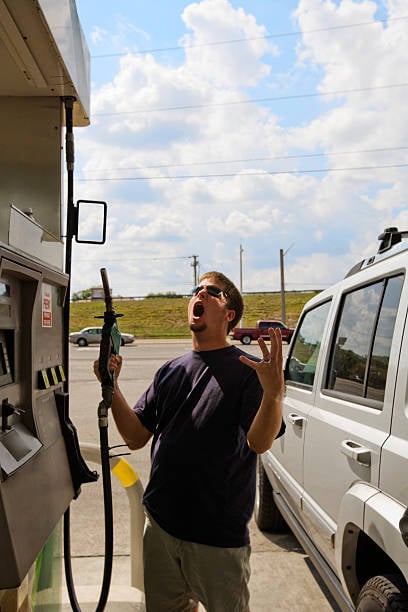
[209,412]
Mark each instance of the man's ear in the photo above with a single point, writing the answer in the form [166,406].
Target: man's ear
[231,315]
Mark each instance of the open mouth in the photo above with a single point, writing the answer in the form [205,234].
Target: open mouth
[198,309]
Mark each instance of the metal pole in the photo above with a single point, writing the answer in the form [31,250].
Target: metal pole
[195,266]
[241,250]
[282,276]
[69,156]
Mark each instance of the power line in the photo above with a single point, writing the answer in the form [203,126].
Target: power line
[255,159]
[339,92]
[240,40]
[244,174]
[140,258]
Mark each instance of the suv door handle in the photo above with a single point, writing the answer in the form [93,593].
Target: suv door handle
[355,451]
[295,419]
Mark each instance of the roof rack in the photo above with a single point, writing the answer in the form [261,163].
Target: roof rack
[389,238]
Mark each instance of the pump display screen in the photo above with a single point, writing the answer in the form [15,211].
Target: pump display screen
[5,370]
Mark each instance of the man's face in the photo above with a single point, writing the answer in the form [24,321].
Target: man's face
[207,309]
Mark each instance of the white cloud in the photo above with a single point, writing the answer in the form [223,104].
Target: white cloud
[230,65]
[331,217]
[161,228]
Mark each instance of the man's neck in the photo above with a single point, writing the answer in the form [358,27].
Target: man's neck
[201,343]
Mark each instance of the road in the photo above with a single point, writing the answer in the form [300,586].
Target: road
[283,577]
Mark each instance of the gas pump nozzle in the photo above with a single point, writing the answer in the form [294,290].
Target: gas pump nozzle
[110,344]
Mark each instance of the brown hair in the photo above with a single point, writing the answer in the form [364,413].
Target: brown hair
[232,294]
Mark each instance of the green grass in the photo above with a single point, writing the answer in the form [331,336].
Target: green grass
[164,317]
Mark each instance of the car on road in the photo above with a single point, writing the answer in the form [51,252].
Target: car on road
[93,335]
[338,476]
[246,334]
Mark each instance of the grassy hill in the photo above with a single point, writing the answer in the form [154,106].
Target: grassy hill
[165,317]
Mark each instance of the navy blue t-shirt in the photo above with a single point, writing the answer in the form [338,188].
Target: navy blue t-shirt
[199,408]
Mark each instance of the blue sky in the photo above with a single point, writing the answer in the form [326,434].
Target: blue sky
[267,124]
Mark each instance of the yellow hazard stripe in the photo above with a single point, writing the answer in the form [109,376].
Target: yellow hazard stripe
[125,473]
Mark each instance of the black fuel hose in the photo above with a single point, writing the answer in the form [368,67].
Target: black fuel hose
[67,561]
[107,503]
[108,517]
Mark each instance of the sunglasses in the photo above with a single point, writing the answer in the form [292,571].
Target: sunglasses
[212,290]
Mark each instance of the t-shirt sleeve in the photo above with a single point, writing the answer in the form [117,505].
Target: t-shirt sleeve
[150,405]
[146,408]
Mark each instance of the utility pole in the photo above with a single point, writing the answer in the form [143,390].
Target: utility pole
[241,250]
[282,276]
[195,267]
[282,279]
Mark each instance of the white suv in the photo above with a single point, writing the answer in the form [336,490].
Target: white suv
[339,475]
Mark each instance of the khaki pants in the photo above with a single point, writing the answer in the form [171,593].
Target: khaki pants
[178,574]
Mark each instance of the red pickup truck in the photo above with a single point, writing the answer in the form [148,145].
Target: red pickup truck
[247,334]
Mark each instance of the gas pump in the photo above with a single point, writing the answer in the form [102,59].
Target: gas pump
[35,479]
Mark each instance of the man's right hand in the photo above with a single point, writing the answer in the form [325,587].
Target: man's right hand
[115,365]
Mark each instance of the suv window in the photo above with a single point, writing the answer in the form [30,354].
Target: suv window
[362,344]
[303,358]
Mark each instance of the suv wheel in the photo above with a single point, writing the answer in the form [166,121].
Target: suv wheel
[267,514]
[82,342]
[246,340]
[383,593]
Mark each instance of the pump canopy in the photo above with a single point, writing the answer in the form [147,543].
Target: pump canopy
[43,52]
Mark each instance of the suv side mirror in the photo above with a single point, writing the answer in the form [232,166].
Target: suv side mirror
[90,222]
